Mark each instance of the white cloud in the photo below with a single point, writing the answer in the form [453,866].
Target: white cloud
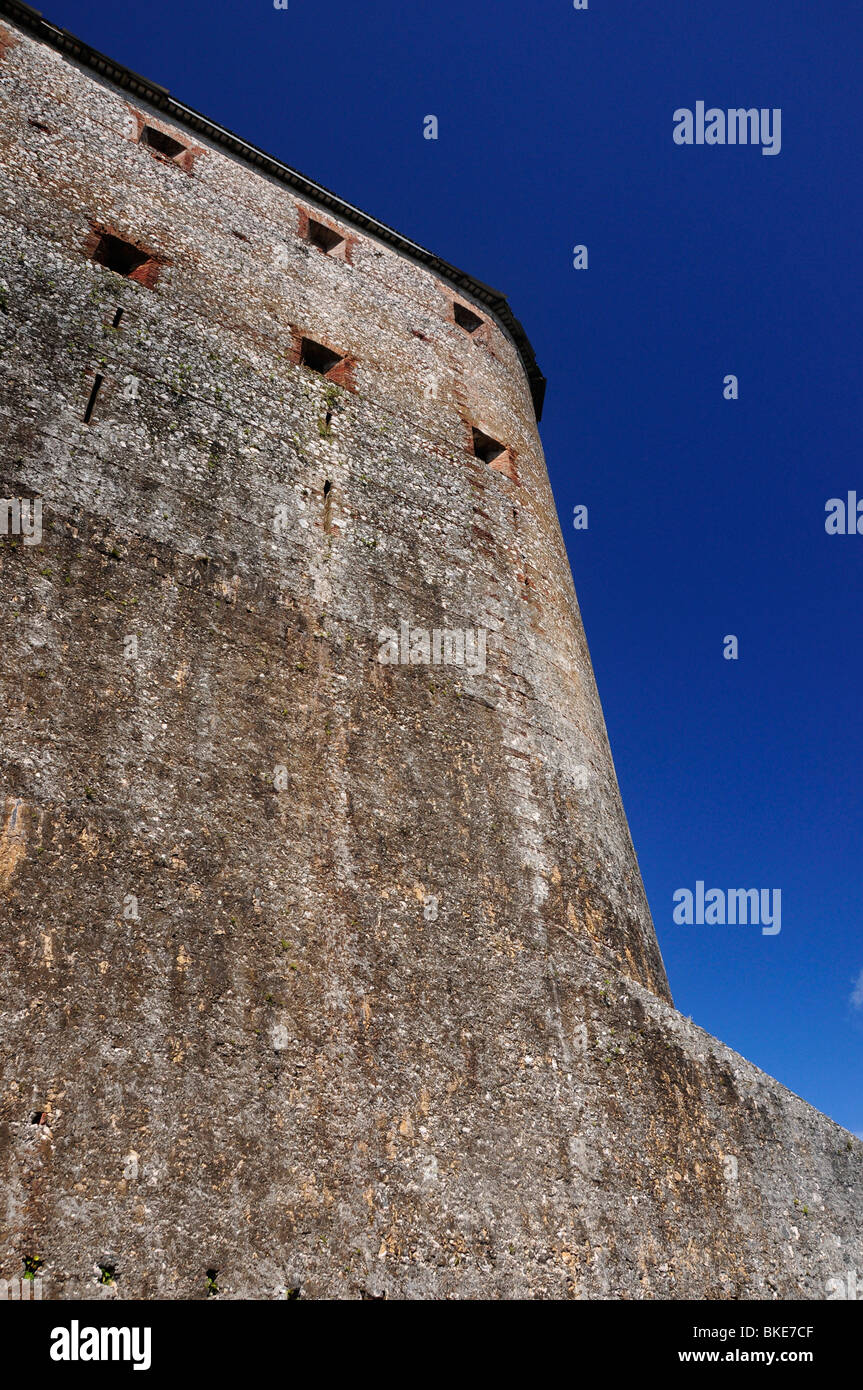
[857,993]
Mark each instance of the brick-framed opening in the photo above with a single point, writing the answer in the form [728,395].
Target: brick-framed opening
[492,453]
[322,358]
[104,246]
[164,143]
[160,142]
[326,239]
[325,235]
[319,358]
[466,318]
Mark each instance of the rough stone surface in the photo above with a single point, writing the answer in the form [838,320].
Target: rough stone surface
[328,975]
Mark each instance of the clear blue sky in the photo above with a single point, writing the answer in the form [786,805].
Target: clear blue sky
[706,516]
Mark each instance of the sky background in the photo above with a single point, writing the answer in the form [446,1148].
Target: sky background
[706,516]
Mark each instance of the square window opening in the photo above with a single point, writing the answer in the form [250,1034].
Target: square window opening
[488,449]
[318,357]
[325,238]
[160,142]
[465,318]
[118,255]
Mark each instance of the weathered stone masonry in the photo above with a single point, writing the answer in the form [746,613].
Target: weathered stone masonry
[393,1022]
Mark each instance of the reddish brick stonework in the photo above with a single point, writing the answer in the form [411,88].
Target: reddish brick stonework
[344,251]
[481,337]
[184,161]
[146,274]
[7,41]
[504,463]
[342,374]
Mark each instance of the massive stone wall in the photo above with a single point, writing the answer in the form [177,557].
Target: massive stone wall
[326,974]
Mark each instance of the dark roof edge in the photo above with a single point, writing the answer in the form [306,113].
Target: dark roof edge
[497,304]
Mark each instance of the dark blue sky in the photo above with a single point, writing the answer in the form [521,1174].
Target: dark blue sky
[706,516]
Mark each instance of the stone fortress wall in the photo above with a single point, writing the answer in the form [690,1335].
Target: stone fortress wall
[326,974]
